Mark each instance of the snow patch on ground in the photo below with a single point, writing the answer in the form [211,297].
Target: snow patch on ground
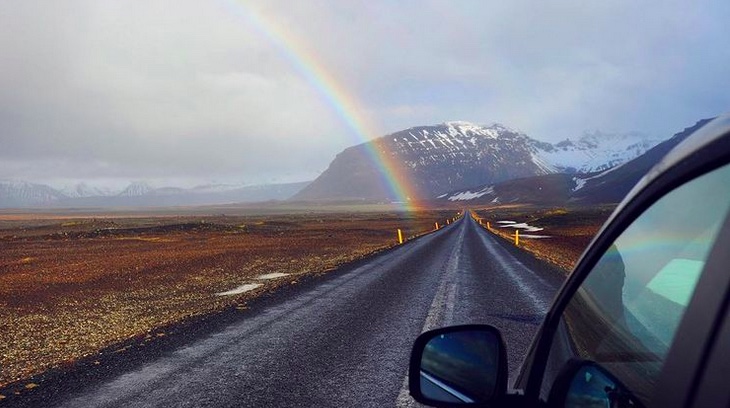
[521,225]
[465,196]
[274,275]
[468,195]
[241,289]
[581,182]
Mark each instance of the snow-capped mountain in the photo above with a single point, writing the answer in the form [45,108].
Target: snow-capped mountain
[140,194]
[433,159]
[596,151]
[136,189]
[607,186]
[86,190]
[453,155]
[24,194]
[613,184]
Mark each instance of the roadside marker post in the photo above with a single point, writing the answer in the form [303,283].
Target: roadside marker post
[437,225]
[400,236]
[488,226]
[447,222]
[517,237]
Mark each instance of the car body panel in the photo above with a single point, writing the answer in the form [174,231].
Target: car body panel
[690,353]
[705,150]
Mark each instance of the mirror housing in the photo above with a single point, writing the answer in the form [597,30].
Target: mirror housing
[583,383]
[458,366]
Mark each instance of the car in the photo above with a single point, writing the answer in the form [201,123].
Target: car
[643,318]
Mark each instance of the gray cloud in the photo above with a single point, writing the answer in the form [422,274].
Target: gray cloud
[190,89]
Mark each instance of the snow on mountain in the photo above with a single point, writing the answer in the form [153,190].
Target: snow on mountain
[457,155]
[24,194]
[447,157]
[546,189]
[596,151]
[468,194]
[458,139]
[85,190]
[136,189]
[604,186]
[434,159]
[139,194]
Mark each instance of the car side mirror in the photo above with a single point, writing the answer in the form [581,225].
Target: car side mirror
[458,366]
[584,383]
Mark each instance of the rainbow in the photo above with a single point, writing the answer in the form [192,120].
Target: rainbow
[345,106]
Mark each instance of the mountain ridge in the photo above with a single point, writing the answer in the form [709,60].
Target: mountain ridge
[601,187]
[20,194]
[458,154]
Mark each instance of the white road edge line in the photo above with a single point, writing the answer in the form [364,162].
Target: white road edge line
[509,263]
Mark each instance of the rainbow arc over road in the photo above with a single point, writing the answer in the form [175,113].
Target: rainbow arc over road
[345,105]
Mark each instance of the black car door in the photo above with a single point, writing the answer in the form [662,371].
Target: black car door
[638,307]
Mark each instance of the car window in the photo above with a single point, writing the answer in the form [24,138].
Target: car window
[626,313]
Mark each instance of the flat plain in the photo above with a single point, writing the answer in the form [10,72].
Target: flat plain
[72,283]
[564,232]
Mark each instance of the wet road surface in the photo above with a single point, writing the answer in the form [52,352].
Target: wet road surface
[345,339]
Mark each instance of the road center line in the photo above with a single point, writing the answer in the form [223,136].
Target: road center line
[440,313]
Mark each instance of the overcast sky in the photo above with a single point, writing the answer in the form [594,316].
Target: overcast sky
[185,91]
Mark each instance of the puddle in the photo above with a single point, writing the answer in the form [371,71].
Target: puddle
[241,289]
[274,275]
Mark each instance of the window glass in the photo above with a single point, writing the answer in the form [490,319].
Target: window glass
[626,313]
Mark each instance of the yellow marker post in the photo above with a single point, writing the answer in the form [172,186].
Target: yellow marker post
[488,226]
[400,236]
[517,237]
[437,225]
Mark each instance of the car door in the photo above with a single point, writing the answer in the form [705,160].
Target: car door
[624,312]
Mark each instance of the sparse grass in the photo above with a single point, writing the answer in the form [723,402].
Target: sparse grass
[69,288]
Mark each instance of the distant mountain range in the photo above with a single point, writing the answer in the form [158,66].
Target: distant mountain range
[608,186]
[596,151]
[139,194]
[449,162]
[24,194]
[457,155]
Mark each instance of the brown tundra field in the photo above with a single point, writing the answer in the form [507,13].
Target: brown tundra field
[74,284]
[565,234]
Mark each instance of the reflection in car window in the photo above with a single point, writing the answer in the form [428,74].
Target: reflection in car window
[626,313]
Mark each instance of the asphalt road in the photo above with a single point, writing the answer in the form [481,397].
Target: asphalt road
[345,339]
